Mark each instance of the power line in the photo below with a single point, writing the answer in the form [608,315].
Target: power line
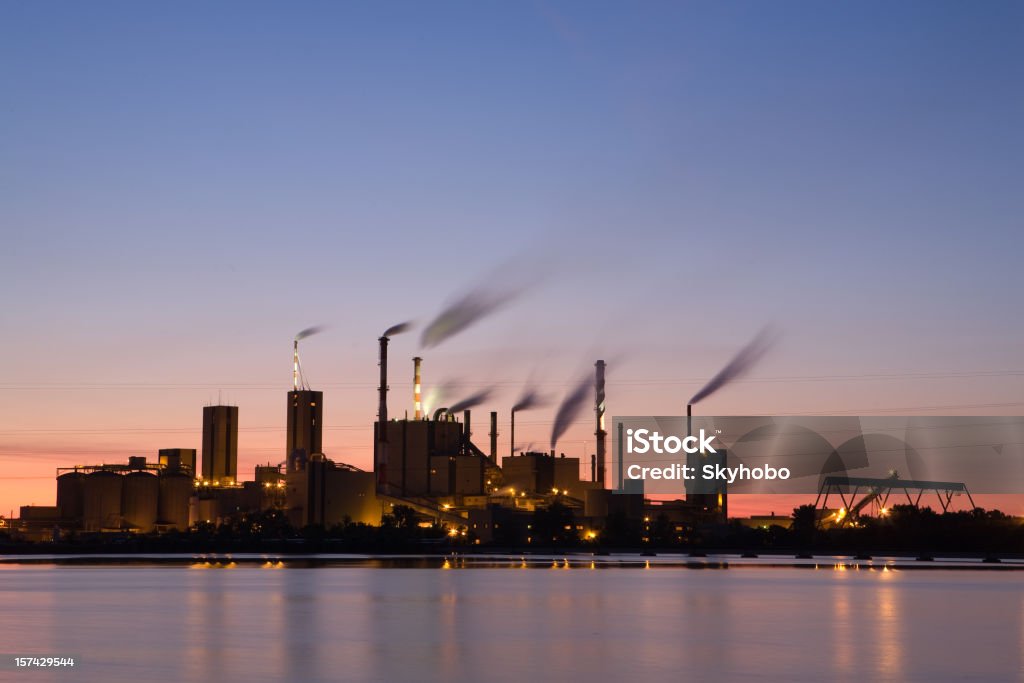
[36,386]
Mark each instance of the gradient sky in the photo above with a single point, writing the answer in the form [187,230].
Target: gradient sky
[185,186]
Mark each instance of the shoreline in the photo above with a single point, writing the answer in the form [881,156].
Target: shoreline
[565,560]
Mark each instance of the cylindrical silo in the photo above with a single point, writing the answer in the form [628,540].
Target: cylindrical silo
[175,490]
[101,501]
[70,487]
[139,495]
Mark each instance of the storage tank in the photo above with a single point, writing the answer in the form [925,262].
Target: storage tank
[101,501]
[139,494]
[70,487]
[175,491]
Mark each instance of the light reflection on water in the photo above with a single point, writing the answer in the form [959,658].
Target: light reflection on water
[159,623]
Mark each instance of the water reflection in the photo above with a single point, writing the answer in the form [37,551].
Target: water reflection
[386,624]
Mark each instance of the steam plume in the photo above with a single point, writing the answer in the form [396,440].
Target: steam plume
[741,363]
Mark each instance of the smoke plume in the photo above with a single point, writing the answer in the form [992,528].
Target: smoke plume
[528,399]
[570,408]
[460,314]
[470,401]
[309,332]
[740,365]
[397,329]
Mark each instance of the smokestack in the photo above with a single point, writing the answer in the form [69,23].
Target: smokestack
[593,467]
[599,418]
[494,437]
[382,418]
[465,430]
[691,459]
[512,441]
[417,403]
[295,366]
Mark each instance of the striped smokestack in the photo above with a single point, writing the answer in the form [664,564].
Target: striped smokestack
[417,402]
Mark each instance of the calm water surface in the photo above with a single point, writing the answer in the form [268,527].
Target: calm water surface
[266,623]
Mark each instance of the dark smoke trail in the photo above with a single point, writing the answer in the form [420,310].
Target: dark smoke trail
[397,329]
[570,408]
[309,332]
[470,401]
[529,399]
[467,310]
[741,363]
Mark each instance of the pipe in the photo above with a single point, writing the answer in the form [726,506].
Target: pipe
[417,403]
[599,410]
[494,437]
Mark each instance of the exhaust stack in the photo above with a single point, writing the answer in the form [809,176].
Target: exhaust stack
[494,438]
[417,402]
[382,419]
[599,410]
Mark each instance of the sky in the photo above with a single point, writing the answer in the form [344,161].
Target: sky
[186,186]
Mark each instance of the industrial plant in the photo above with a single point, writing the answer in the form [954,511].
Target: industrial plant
[430,463]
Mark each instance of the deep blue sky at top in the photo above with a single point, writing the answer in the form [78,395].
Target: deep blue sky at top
[184,185]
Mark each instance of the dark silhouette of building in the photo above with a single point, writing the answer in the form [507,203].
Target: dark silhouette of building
[175,458]
[305,427]
[220,444]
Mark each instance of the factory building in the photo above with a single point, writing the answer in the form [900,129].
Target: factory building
[220,444]
[326,493]
[543,473]
[138,497]
[714,504]
[305,427]
[185,458]
[432,458]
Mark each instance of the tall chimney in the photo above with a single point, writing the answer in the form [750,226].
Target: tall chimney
[599,418]
[417,404]
[382,419]
[465,430]
[494,437]
[512,436]
[691,459]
